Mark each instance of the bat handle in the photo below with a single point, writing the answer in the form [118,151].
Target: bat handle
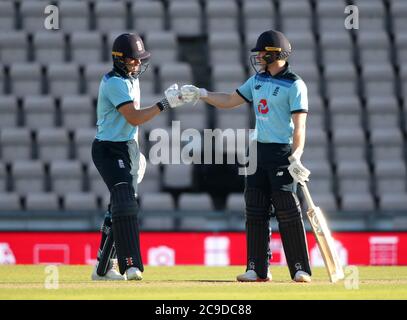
[307,196]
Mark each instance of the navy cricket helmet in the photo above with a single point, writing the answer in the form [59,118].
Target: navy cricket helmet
[129,45]
[276,45]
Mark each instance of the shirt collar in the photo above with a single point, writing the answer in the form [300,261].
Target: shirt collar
[286,69]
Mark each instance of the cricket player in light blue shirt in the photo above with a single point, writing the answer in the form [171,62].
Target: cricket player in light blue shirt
[279,99]
[116,155]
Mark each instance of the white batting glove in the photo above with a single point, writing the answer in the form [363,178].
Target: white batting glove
[299,173]
[173,98]
[190,93]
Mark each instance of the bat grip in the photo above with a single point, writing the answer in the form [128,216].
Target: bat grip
[307,196]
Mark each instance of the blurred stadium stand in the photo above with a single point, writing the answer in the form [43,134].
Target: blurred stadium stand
[357,124]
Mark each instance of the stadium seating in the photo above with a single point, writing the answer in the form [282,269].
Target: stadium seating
[86,47]
[224,47]
[194,117]
[330,16]
[83,138]
[28,176]
[151,182]
[185,17]
[235,202]
[227,77]
[96,184]
[32,15]
[74,16]
[10,201]
[53,144]
[80,201]
[77,111]
[39,112]
[7,15]
[148,16]
[66,176]
[26,78]
[49,80]
[3,177]
[49,47]
[157,202]
[297,16]
[8,111]
[36,201]
[63,79]
[162,46]
[13,46]
[93,75]
[110,15]
[180,73]
[222,16]
[258,16]
[16,143]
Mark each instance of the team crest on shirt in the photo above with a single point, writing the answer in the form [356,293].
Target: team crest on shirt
[262,106]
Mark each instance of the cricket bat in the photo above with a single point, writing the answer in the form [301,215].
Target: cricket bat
[323,237]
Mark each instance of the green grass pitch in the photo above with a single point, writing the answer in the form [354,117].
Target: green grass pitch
[199,283]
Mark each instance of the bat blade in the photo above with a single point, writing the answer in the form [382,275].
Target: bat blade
[325,244]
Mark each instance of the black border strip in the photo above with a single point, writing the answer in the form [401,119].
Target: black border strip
[240,94]
[300,111]
[123,103]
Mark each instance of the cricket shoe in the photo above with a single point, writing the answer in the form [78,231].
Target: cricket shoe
[111,275]
[301,276]
[134,273]
[251,276]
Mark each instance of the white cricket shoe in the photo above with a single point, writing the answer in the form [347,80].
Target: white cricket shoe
[251,276]
[111,275]
[134,273]
[302,276]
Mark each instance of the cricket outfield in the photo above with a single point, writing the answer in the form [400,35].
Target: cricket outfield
[198,283]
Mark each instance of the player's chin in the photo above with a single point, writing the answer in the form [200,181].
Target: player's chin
[132,69]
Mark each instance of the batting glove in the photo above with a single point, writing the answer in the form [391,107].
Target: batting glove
[190,93]
[299,173]
[173,98]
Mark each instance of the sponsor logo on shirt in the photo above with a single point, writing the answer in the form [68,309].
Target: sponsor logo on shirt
[262,106]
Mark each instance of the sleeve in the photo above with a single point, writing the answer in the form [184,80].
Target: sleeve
[298,97]
[245,90]
[118,92]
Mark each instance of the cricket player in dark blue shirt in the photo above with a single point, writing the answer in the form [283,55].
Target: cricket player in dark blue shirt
[279,99]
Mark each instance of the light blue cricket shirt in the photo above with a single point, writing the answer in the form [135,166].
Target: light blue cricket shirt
[114,92]
[274,99]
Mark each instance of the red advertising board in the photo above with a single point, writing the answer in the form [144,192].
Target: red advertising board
[195,248]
